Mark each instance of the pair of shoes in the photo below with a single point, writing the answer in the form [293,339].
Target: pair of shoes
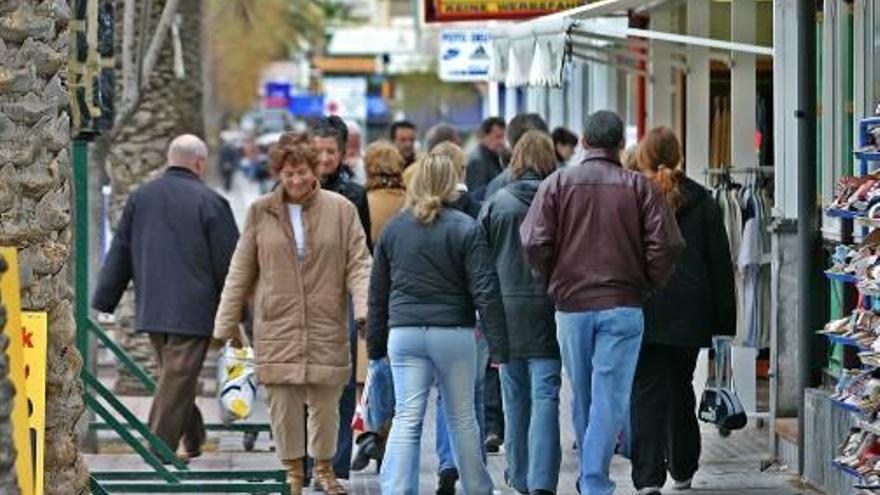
[325,478]
[682,485]
[493,443]
[651,490]
[446,480]
[295,475]
[540,492]
[366,448]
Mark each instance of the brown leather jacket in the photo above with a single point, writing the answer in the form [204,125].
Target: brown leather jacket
[601,235]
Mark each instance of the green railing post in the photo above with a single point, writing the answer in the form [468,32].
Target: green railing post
[81,235]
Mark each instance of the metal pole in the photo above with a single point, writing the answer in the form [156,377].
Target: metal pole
[807,215]
[81,267]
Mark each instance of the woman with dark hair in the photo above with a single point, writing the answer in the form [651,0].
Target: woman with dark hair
[530,380]
[432,273]
[303,250]
[564,142]
[698,302]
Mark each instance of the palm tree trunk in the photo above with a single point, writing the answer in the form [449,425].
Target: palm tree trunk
[35,216]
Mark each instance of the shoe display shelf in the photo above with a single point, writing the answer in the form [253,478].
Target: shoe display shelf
[868,157]
[847,278]
[867,423]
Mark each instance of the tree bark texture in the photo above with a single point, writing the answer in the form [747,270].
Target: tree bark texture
[36,193]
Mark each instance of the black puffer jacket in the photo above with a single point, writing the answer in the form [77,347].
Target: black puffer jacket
[699,301]
[341,183]
[531,321]
[433,275]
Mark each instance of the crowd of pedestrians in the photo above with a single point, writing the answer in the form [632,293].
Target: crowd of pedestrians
[489,277]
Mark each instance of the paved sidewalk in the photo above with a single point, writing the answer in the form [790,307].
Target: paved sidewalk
[730,466]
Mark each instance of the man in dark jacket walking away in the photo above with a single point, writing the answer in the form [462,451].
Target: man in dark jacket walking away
[330,135]
[530,380]
[604,239]
[175,240]
[484,163]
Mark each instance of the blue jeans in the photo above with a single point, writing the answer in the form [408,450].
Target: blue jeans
[444,448]
[599,350]
[418,356]
[530,389]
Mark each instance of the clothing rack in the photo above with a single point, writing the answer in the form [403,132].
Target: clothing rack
[765,171]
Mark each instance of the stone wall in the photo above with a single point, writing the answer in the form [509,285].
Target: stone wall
[35,209]
[169,107]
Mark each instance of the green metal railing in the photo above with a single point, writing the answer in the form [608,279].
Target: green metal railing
[167,473]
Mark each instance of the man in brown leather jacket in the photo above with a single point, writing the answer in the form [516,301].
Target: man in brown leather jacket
[604,239]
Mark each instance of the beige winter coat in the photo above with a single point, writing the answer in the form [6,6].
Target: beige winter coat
[300,310]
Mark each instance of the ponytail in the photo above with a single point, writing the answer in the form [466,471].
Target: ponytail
[427,208]
[669,180]
[659,156]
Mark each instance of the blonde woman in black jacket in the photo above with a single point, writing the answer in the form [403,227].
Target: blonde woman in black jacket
[432,272]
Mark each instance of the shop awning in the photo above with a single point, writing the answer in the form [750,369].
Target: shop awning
[534,52]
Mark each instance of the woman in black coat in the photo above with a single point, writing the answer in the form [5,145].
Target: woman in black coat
[698,302]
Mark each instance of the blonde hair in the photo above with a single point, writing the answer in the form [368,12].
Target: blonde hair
[384,166]
[434,184]
[628,158]
[455,153]
[534,151]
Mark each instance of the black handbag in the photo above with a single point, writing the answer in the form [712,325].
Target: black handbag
[720,405]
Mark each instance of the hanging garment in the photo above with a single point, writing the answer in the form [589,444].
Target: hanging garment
[725,132]
[749,265]
[715,136]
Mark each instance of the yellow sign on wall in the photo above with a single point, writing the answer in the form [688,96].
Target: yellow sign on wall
[11,295]
[34,330]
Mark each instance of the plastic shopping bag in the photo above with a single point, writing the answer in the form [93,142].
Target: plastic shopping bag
[235,374]
[376,405]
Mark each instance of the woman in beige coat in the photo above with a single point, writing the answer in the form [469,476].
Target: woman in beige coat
[302,252]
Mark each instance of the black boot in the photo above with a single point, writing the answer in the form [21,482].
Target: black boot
[446,482]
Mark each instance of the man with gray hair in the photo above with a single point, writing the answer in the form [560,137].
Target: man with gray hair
[175,240]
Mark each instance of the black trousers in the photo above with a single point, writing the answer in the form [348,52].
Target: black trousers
[666,435]
[494,409]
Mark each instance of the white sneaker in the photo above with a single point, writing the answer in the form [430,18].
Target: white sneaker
[650,490]
[682,485]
